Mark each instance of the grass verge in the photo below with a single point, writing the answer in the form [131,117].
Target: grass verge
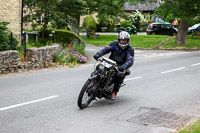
[137,41]
[192,44]
[193,128]
[149,41]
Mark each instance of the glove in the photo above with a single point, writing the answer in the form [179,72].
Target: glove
[121,68]
[96,56]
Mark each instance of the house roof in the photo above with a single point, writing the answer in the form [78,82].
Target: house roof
[144,7]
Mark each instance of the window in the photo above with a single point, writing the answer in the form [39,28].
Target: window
[164,26]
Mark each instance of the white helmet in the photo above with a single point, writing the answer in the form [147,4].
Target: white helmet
[123,39]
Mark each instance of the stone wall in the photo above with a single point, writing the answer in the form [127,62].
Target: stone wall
[9,61]
[10,11]
[37,58]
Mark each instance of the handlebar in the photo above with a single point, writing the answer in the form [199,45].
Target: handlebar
[111,62]
[107,60]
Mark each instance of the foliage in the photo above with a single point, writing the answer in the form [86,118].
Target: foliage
[109,11]
[146,19]
[89,23]
[65,37]
[5,38]
[40,43]
[60,13]
[69,12]
[186,11]
[69,56]
[109,21]
[136,18]
[41,11]
[105,7]
[125,23]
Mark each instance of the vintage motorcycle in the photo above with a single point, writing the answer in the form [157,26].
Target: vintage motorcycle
[100,84]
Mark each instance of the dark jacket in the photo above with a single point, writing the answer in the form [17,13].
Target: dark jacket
[124,57]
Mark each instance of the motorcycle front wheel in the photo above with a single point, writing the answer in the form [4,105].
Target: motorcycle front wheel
[87,94]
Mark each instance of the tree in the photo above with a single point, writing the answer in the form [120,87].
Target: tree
[186,10]
[106,7]
[69,12]
[41,11]
[60,13]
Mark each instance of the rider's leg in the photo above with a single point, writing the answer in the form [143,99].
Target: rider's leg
[119,78]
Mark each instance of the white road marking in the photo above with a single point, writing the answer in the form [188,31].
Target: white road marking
[88,65]
[195,64]
[132,78]
[138,51]
[160,55]
[173,70]
[92,49]
[26,103]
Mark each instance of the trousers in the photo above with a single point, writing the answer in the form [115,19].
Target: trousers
[118,80]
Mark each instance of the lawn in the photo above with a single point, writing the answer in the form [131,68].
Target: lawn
[137,41]
[148,41]
[192,43]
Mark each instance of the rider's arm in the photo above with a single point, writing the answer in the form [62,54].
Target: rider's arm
[129,59]
[107,49]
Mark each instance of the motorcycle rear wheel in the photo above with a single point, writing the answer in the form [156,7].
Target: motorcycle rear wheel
[87,94]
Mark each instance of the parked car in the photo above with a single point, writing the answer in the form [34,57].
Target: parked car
[161,29]
[195,27]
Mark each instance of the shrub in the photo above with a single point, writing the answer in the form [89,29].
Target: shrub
[40,43]
[125,24]
[65,37]
[69,56]
[5,38]
[89,23]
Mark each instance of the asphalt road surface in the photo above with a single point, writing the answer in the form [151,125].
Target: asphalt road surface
[45,101]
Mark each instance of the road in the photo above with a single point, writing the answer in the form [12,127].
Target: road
[161,82]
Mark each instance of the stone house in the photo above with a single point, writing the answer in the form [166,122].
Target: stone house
[144,7]
[10,11]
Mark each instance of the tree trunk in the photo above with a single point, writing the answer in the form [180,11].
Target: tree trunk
[181,37]
[43,30]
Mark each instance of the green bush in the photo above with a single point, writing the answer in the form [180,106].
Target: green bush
[66,37]
[125,24]
[40,43]
[89,23]
[5,38]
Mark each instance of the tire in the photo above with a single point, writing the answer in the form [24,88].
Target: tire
[86,91]
[153,33]
[173,34]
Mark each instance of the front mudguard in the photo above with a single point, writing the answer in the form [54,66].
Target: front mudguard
[93,77]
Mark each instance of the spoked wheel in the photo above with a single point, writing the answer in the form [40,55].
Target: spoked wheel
[87,94]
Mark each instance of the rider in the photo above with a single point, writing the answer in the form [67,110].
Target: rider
[123,54]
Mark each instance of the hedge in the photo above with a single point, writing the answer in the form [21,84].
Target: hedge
[89,23]
[65,37]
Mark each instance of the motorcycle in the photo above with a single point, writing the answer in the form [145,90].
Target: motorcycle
[100,84]
[132,30]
